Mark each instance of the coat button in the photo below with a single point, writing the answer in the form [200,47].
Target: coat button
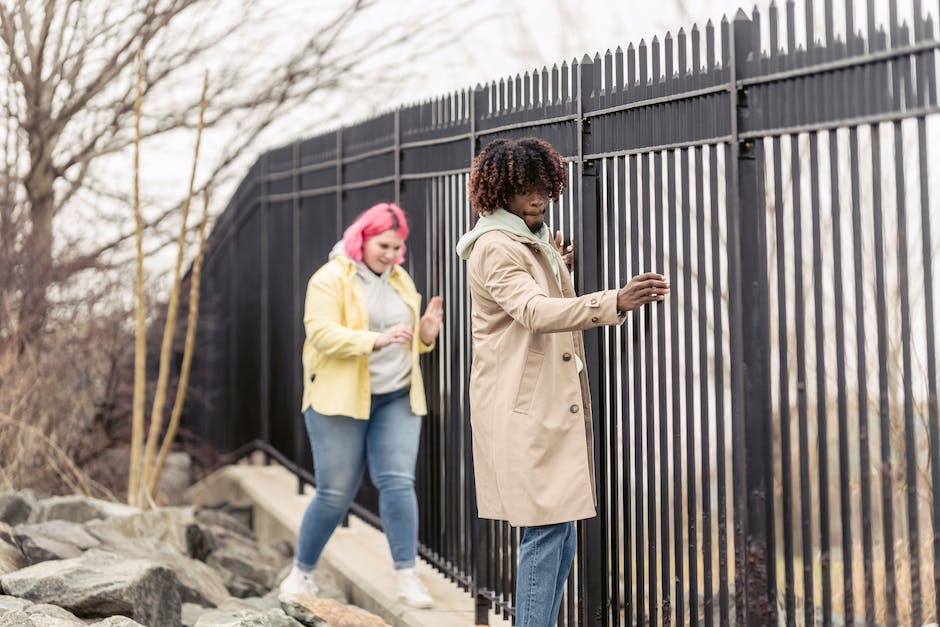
[566,356]
[594,319]
[593,301]
[574,409]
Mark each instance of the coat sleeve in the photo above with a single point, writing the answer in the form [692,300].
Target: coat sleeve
[508,281]
[322,316]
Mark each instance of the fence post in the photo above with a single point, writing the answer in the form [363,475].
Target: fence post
[479,550]
[339,183]
[750,351]
[298,296]
[594,605]
[264,322]
[397,156]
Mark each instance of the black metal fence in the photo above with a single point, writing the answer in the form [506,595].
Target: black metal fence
[767,439]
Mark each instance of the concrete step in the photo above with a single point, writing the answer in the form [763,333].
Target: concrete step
[357,556]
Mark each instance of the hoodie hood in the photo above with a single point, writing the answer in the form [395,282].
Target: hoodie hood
[339,252]
[502,220]
[339,249]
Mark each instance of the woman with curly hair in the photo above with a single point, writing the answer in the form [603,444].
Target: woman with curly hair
[530,404]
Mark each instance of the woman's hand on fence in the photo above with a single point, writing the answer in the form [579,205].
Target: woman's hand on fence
[641,290]
[431,320]
[566,256]
[399,334]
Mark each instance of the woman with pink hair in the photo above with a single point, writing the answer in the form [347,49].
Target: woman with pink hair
[363,392]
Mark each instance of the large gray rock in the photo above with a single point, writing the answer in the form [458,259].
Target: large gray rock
[317,612]
[246,618]
[190,613]
[16,507]
[248,570]
[78,509]
[197,582]
[20,618]
[302,614]
[11,558]
[167,525]
[175,478]
[220,518]
[101,584]
[43,614]
[53,540]
[117,621]
[8,603]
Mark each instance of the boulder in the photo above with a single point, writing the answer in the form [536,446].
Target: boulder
[167,525]
[196,582]
[101,584]
[11,558]
[117,621]
[52,540]
[190,613]
[19,618]
[174,478]
[246,618]
[9,604]
[221,518]
[41,614]
[78,509]
[246,568]
[319,612]
[16,507]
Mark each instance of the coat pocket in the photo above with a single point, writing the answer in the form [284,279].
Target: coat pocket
[529,382]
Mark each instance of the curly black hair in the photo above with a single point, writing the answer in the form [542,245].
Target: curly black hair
[507,167]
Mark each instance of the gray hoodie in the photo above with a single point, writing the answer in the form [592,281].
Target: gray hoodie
[390,367]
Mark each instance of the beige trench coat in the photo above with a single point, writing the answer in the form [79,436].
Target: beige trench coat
[530,409]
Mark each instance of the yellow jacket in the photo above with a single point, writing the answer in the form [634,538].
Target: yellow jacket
[338,343]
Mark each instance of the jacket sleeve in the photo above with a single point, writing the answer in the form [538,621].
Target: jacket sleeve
[422,347]
[322,316]
[508,281]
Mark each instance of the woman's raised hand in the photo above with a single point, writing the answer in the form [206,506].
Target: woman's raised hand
[399,334]
[431,321]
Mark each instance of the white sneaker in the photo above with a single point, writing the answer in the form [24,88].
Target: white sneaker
[299,582]
[411,591]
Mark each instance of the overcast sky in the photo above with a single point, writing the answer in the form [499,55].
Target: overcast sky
[492,39]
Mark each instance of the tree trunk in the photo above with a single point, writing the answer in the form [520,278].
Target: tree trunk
[37,256]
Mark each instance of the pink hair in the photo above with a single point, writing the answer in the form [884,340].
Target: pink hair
[374,220]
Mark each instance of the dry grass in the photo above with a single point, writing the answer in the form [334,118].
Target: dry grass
[57,404]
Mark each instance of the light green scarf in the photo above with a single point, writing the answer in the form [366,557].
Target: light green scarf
[502,220]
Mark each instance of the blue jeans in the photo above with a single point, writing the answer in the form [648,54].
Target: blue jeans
[545,557]
[341,445]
